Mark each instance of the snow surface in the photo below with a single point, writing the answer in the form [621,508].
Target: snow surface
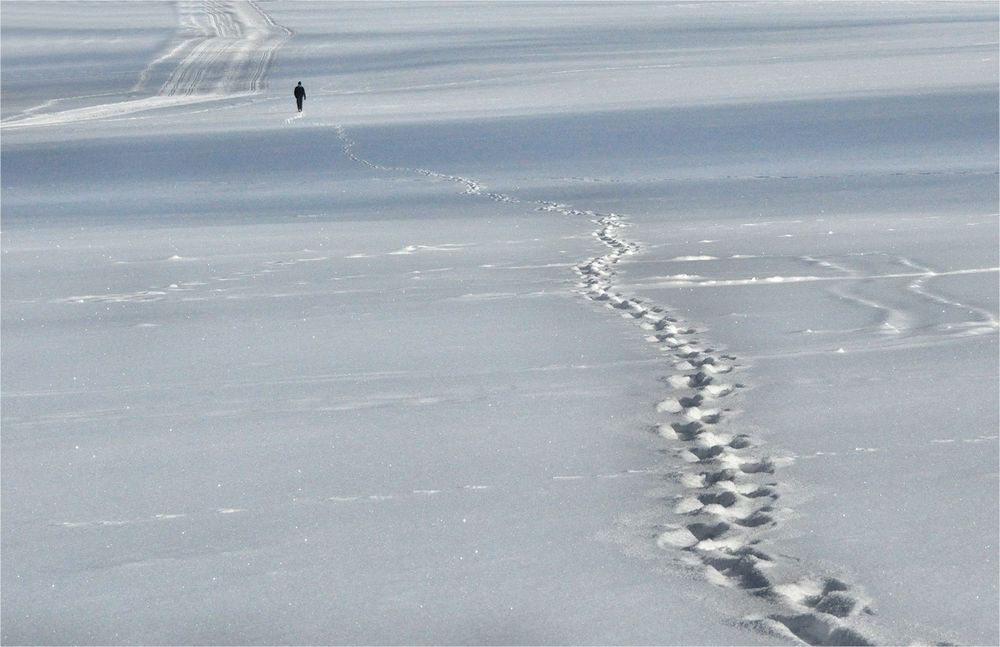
[544,323]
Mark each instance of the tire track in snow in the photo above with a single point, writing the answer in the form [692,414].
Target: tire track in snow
[730,484]
[222,50]
[227,48]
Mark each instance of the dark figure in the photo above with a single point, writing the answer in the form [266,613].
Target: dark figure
[300,95]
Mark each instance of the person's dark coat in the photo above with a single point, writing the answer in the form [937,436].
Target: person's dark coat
[300,95]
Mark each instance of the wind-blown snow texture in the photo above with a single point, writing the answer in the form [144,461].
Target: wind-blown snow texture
[544,323]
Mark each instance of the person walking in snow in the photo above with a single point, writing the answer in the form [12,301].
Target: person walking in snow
[300,95]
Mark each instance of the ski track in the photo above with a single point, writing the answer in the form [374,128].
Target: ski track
[731,489]
[986,320]
[222,50]
[898,321]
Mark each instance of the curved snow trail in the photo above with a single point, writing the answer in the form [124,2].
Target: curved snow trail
[222,49]
[970,320]
[984,320]
[730,483]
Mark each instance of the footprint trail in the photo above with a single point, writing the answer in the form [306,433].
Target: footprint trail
[730,484]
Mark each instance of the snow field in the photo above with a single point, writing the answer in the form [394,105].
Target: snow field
[610,324]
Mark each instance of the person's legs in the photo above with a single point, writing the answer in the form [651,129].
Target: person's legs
[298,101]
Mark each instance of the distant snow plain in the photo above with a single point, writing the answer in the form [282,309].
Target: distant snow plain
[544,323]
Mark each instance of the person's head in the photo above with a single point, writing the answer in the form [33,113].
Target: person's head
[300,82]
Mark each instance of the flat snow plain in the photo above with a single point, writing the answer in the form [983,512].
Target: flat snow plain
[544,323]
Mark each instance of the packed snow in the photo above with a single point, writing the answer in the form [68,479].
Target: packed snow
[543,323]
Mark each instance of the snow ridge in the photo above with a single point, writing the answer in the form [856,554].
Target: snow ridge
[731,492]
